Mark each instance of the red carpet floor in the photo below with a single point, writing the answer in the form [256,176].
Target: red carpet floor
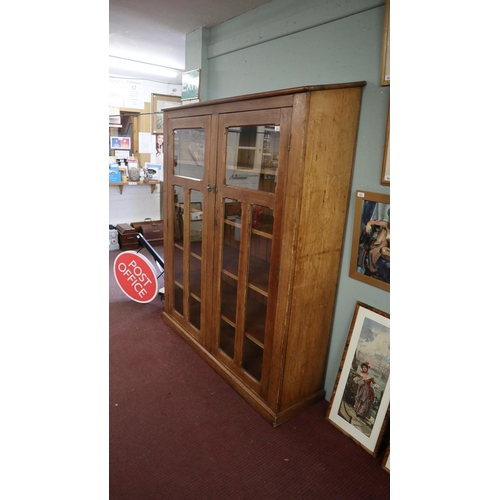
[178,431]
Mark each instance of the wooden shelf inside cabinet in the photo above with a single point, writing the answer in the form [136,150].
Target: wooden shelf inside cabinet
[120,185]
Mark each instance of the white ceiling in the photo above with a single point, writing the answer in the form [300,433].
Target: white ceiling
[154,31]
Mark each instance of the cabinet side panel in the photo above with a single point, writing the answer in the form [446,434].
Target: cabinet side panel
[291,210]
[329,157]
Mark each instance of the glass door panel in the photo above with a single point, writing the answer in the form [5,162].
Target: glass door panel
[189,153]
[229,275]
[245,279]
[178,251]
[252,155]
[179,280]
[250,146]
[195,245]
[190,204]
[260,248]
[261,232]
[188,254]
[252,358]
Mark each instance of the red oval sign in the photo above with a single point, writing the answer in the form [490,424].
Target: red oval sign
[136,276]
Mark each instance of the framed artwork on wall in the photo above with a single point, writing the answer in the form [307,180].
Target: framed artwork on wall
[386,170]
[158,102]
[385,71]
[359,405]
[371,249]
[117,142]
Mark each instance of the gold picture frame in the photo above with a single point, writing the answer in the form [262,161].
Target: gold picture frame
[359,406]
[385,70]
[158,102]
[371,243]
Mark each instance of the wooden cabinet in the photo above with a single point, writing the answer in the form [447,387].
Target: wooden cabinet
[255,198]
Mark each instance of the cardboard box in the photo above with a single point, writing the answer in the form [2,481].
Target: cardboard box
[154,171]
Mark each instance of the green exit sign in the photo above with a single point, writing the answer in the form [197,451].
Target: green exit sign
[191,84]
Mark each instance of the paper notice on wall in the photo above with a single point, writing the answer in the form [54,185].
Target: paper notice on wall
[126,93]
[134,97]
[145,142]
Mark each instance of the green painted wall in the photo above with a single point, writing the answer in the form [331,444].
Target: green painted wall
[289,43]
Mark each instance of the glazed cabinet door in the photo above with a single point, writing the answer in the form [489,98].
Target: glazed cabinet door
[251,168]
[187,248]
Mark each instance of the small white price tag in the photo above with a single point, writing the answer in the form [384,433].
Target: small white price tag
[361,194]
[132,183]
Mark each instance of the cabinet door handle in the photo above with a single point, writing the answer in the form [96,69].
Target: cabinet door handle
[212,188]
[209,188]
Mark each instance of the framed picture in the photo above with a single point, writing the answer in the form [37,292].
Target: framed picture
[385,71]
[371,249]
[386,170]
[117,142]
[359,404]
[386,461]
[158,102]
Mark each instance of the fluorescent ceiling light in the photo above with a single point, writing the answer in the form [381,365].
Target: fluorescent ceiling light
[141,67]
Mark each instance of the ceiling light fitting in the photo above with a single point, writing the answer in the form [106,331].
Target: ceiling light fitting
[142,67]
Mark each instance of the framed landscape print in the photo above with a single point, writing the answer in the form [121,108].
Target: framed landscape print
[359,405]
[371,248]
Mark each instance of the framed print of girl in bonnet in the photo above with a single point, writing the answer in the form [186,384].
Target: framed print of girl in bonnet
[360,400]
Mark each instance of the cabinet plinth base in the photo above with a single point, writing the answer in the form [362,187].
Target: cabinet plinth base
[275,418]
